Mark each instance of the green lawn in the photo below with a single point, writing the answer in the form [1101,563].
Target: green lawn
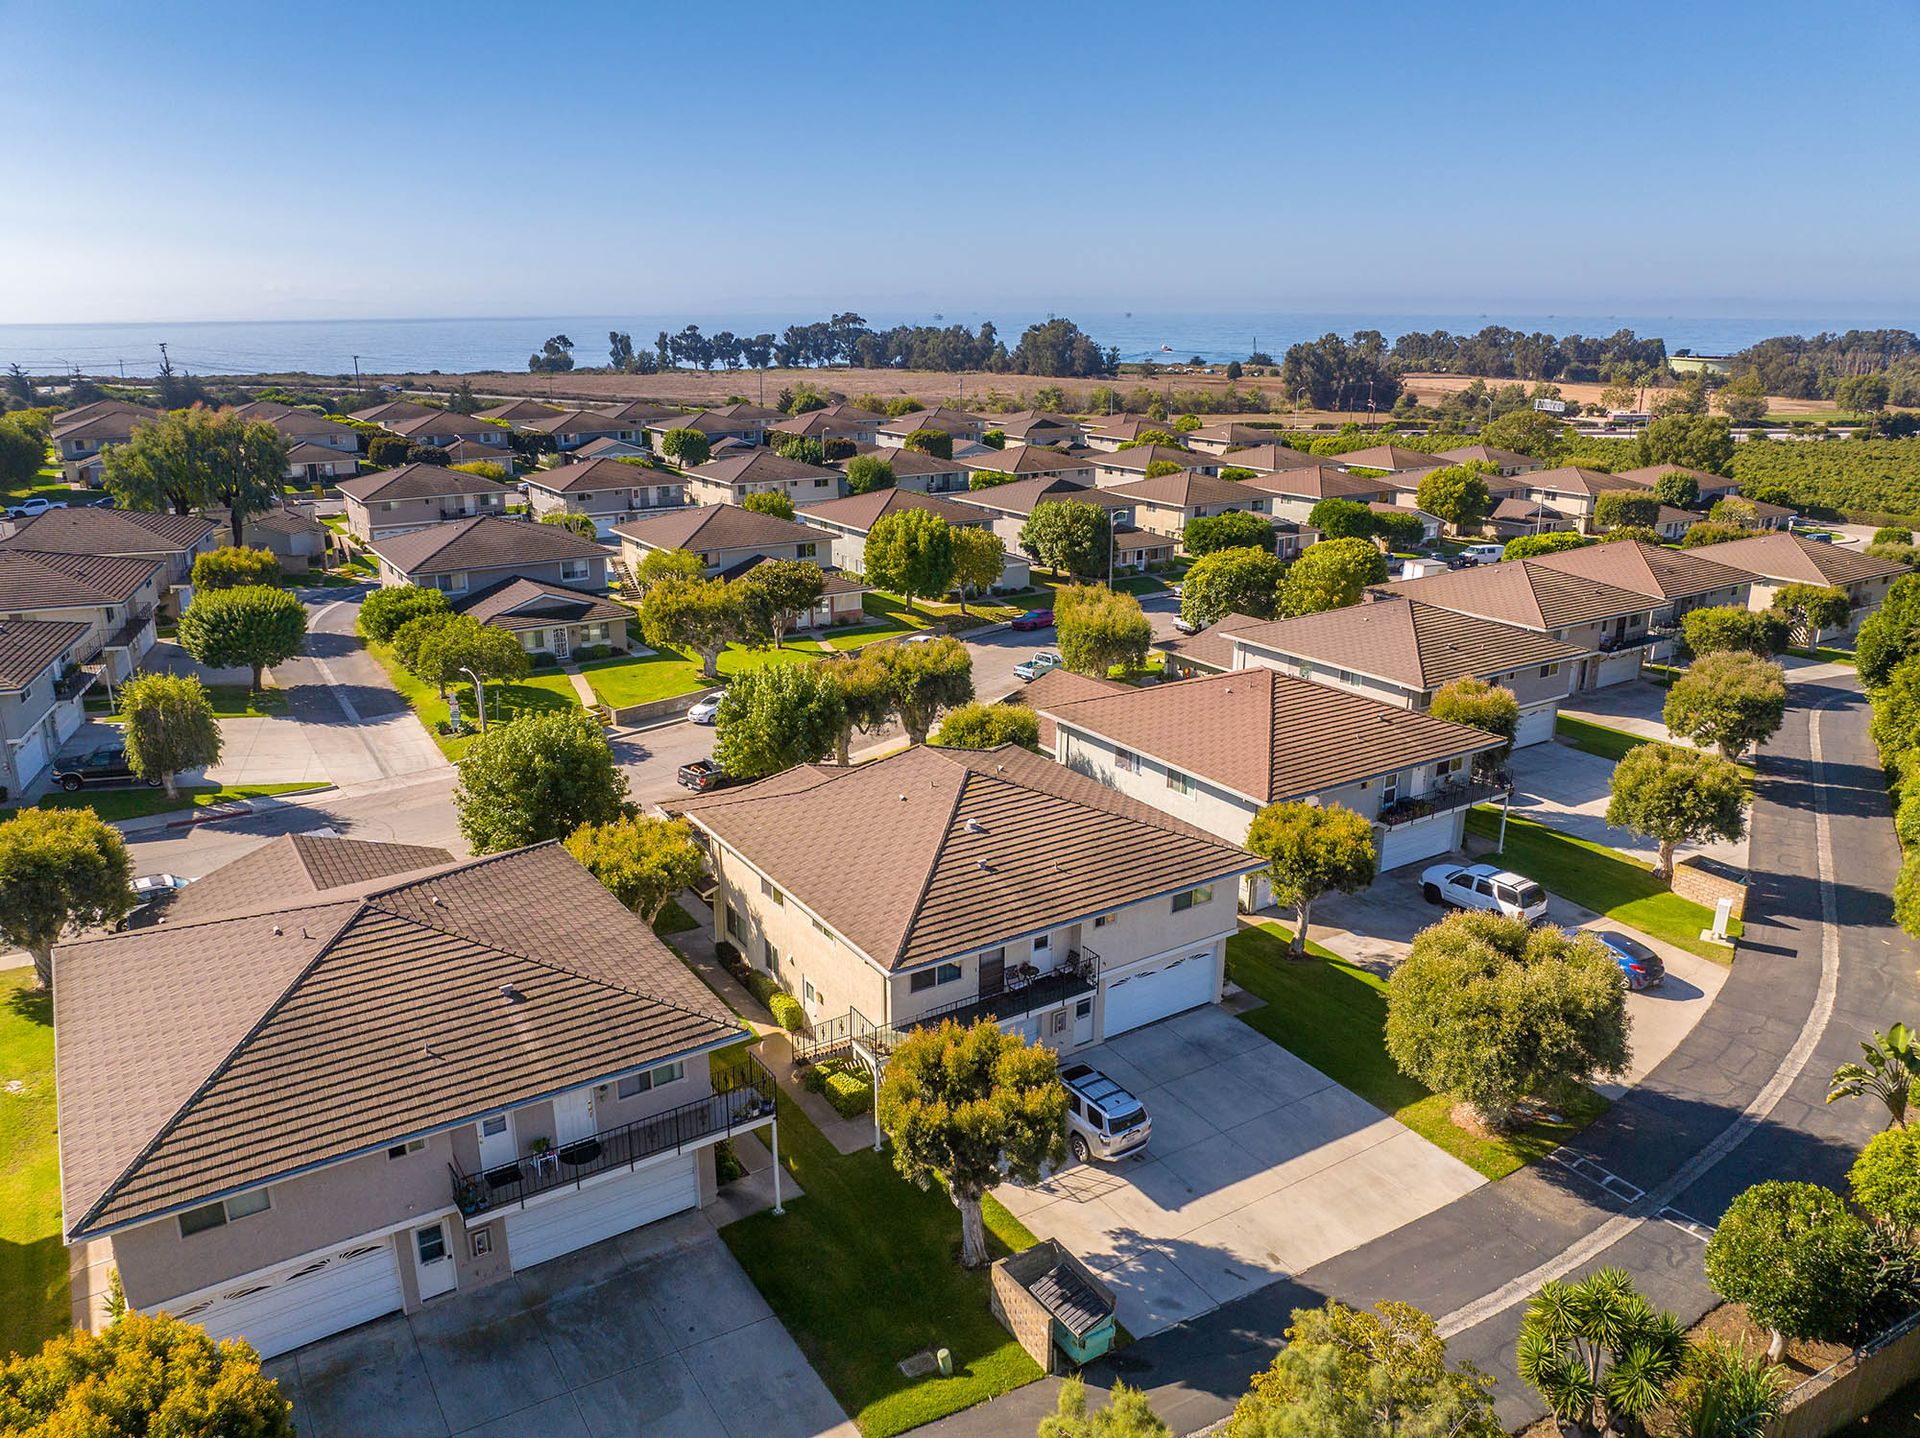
[1601,879]
[47,484]
[672,919]
[1334,1016]
[864,1270]
[113,805]
[1827,654]
[230,701]
[641,679]
[33,1262]
[1607,742]
[536,694]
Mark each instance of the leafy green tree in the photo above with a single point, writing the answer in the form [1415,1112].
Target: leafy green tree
[989,479]
[1531,432]
[60,869]
[1735,511]
[868,472]
[1531,546]
[1688,441]
[1342,519]
[777,592]
[1885,1179]
[146,1373]
[1398,530]
[1678,489]
[1480,705]
[1890,1073]
[1632,534]
[21,454]
[385,610]
[1069,536]
[412,636]
[1492,1012]
[538,778]
[386,451]
[1812,607]
[1730,700]
[1602,1356]
[1312,849]
[1458,494]
[1743,399]
[1331,575]
[1699,536]
[1170,437]
[1097,628]
[698,614]
[1238,474]
[1235,529]
[659,564]
[911,553]
[936,442]
[1677,796]
[688,448]
[1733,628]
[777,716]
[1888,635]
[987,726]
[1231,581]
[923,681]
[866,692]
[803,449]
[253,626]
[1156,468]
[968,1109]
[1796,1258]
[1358,1373]
[231,567]
[170,727]
[1891,534]
[198,457]
[1621,507]
[580,524]
[769,501]
[462,643]
[1862,393]
[643,861]
[979,557]
[1127,1415]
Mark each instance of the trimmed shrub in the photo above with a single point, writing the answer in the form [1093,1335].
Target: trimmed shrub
[787,1012]
[849,1094]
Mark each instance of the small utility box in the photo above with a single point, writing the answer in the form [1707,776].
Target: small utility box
[1054,1306]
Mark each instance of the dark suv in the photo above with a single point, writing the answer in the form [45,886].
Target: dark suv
[102,766]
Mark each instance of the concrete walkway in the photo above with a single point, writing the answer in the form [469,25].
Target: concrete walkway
[582,690]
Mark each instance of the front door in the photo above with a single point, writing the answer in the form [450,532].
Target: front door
[496,1142]
[992,975]
[1083,1021]
[572,1117]
[433,1261]
[562,642]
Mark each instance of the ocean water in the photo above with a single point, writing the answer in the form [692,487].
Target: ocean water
[328,347]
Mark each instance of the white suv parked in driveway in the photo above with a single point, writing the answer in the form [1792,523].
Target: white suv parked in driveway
[1481,886]
[1103,1119]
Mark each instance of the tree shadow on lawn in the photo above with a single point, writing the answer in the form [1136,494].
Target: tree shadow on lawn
[32,1003]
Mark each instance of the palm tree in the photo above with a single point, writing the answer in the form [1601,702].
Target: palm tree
[1729,1393]
[1890,1074]
[1599,1353]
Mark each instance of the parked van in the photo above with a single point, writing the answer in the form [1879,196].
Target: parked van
[1483,553]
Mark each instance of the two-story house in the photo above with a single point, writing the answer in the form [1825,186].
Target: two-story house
[390,410]
[1115,430]
[1124,466]
[1037,426]
[1027,461]
[835,422]
[923,473]
[1575,492]
[1214,752]
[79,434]
[1168,503]
[549,619]
[1225,438]
[1389,457]
[1268,457]
[744,422]
[1504,460]
[1710,486]
[443,429]
[849,521]
[1773,561]
[515,411]
[949,883]
[303,429]
[731,542]
[114,598]
[469,554]
[172,541]
[346,1079]
[41,681]
[414,496]
[1009,506]
[606,490]
[761,471]
[571,428]
[961,425]
[636,413]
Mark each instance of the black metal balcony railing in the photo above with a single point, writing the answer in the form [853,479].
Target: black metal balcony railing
[1018,999]
[129,629]
[741,1098]
[76,681]
[1441,801]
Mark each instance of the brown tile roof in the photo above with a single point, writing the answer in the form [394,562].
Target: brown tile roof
[1023,423]
[1646,569]
[1187,488]
[1212,647]
[1485,454]
[1316,482]
[1127,430]
[418,481]
[1269,736]
[909,461]
[282,520]
[939,851]
[707,421]
[108,531]
[596,474]
[761,466]
[1522,592]
[485,542]
[70,420]
[940,417]
[1022,495]
[197,1059]
[740,409]
[817,423]
[1387,456]
[1649,475]
[31,581]
[1236,434]
[1571,479]
[1272,458]
[446,422]
[531,603]
[1408,643]
[575,421]
[28,647]
[106,427]
[1793,559]
[715,526]
[294,422]
[1521,511]
[297,869]
[860,512]
[1027,459]
[636,411]
[392,409]
[306,452]
[470,451]
[1148,454]
[516,410]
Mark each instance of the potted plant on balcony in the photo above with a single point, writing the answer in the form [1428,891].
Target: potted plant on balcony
[470,1196]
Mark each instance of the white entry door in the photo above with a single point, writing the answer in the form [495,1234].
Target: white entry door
[433,1263]
[1083,1021]
[496,1142]
[572,1116]
[562,641]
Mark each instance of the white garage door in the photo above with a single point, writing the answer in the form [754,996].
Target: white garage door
[1157,989]
[287,1307]
[29,759]
[1619,668]
[1536,726]
[1409,843]
[576,1217]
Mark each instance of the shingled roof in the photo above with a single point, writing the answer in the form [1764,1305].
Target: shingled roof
[1646,568]
[1023,495]
[297,869]
[860,512]
[1271,458]
[521,603]
[29,646]
[938,851]
[761,466]
[1316,482]
[392,409]
[597,474]
[1186,489]
[1526,593]
[484,542]
[30,580]
[418,481]
[715,526]
[1388,457]
[576,421]
[201,1058]
[1792,559]
[108,531]
[1028,459]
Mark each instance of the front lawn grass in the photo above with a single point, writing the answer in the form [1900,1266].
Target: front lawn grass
[643,678]
[34,1304]
[865,1270]
[230,701]
[536,694]
[1606,742]
[1601,879]
[114,805]
[1334,1015]
[672,919]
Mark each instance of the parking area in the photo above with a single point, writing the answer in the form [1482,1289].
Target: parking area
[658,1331]
[1568,789]
[1259,1166]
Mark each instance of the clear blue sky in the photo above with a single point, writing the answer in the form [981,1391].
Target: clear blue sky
[202,161]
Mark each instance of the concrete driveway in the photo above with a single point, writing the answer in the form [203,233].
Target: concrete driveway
[657,1332]
[1259,1166]
[1568,790]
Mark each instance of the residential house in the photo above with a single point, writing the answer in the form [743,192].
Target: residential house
[1388,457]
[960,884]
[1205,651]
[293,536]
[1124,466]
[173,541]
[1711,486]
[1773,561]
[637,412]
[1292,493]
[1037,426]
[472,451]
[964,427]
[923,473]
[1575,492]
[80,434]
[443,429]
[303,429]
[761,471]
[608,448]
[1431,525]
[1400,651]
[469,554]
[1511,517]
[848,521]
[1504,460]
[571,428]
[1115,430]
[1672,524]
[41,681]
[842,422]
[1168,503]
[744,422]
[1225,438]
[393,409]
[360,1086]
[316,464]
[1213,752]
[550,619]
[414,496]
[1269,458]
[1010,506]
[514,412]
[1027,461]
[723,535]
[609,491]
[114,597]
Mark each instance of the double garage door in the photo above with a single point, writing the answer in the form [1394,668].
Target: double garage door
[612,1204]
[1536,725]
[303,1302]
[1156,989]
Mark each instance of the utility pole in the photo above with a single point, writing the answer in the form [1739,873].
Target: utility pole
[356,371]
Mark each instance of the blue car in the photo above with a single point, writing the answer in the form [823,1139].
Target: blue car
[1640,964]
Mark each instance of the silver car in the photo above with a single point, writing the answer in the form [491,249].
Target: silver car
[1104,1121]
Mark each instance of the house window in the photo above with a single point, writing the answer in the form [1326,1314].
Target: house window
[1390,791]
[772,960]
[806,551]
[735,928]
[1547,671]
[1106,920]
[1126,761]
[809,992]
[633,1085]
[938,975]
[1178,782]
[217,1215]
[573,569]
[401,1150]
[768,891]
[1186,900]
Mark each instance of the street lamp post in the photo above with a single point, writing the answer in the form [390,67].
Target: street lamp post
[479,695]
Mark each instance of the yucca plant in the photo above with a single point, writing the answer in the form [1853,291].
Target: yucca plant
[1599,1354]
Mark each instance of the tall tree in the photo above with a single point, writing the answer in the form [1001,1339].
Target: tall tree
[1458,494]
[463,647]
[923,681]
[868,472]
[1734,628]
[1677,796]
[60,869]
[698,614]
[254,625]
[1231,581]
[643,861]
[1337,518]
[1069,537]
[777,716]
[1097,628]
[1312,849]
[1677,488]
[1729,700]
[689,448]
[198,457]
[1618,508]
[539,778]
[979,558]
[385,610]
[170,727]
[659,564]
[911,553]
[968,1109]
[1688,441]
[1331,575]
[776,593]
[1812,607]
[1236,529]
[249,468]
